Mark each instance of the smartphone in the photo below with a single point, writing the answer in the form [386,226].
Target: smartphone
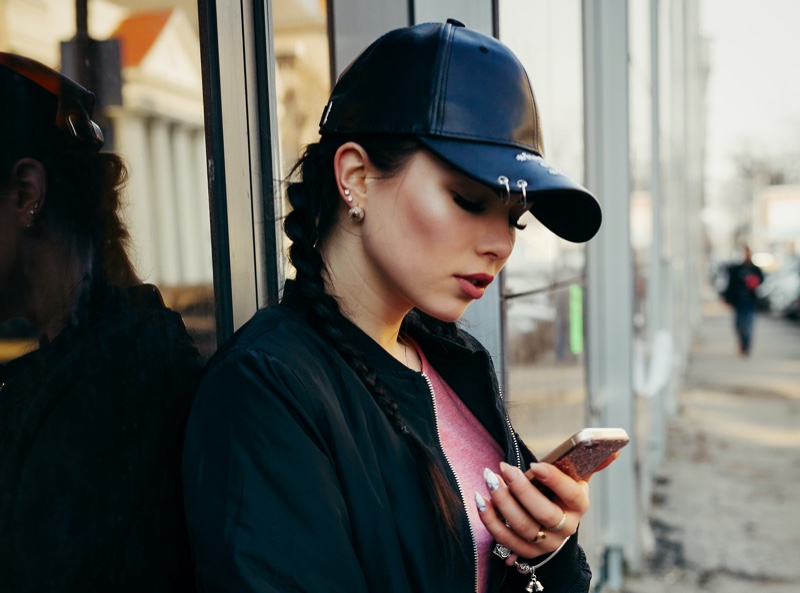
[583,452]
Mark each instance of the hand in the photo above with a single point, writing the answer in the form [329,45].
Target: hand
[518,513]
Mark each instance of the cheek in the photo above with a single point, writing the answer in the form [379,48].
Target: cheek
[430,222]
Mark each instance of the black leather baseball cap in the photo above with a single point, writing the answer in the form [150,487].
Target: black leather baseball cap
[39,104]
[467,98]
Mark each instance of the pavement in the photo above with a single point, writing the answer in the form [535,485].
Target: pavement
[725,510]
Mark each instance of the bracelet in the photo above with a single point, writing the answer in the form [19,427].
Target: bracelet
[525,568]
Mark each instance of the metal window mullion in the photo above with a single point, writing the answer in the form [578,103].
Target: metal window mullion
[610,270]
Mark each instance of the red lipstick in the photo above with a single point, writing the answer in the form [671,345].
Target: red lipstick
[474,285]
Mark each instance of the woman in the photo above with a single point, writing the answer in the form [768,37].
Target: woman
[353,438]
[91,422]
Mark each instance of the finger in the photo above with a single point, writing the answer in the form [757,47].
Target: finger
[537,505]
[574,496]
[505,536]
[505,502]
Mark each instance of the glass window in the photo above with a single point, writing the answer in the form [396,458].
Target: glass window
[303,75]
[545,275]
[640,157]
[144,68]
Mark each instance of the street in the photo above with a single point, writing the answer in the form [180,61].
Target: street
[724,513]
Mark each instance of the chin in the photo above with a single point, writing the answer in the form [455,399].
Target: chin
[446,314]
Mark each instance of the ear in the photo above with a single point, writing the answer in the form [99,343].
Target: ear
[29,179]
[350,166]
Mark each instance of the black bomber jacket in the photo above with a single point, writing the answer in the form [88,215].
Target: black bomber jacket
[295,480]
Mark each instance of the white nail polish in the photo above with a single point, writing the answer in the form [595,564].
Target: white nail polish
[480,502]
[491,479]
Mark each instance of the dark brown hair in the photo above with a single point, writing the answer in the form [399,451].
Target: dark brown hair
[314,202]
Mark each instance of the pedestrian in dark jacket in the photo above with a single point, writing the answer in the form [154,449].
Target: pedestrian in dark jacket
[353,438]
[743,279]
[91,421]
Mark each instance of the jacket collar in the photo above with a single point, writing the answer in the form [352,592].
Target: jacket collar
[466,366]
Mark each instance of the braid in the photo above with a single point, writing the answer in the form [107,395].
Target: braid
[307,225]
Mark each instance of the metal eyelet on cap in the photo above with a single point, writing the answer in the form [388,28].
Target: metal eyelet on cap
[505,189]
[522,184]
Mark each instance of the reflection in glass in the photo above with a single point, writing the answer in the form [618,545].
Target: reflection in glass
[91,421]
[144,68]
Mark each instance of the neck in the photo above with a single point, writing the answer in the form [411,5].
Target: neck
[53,287]
[361,300]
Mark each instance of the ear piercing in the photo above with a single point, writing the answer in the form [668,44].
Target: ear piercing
[356,214]
[32,212]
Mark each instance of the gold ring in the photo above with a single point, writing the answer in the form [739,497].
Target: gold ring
[561,523]
[539,537]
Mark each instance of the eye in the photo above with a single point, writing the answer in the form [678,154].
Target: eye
[469,205]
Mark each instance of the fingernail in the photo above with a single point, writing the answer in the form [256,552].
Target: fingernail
[540,470]
[510,472]
[479,500]
[492,483]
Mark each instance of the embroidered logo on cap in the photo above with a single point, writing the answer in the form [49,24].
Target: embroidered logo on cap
[527,156]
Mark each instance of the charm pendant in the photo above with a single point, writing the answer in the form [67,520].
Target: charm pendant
[534,585]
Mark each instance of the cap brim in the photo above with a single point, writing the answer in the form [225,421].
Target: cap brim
[558,202]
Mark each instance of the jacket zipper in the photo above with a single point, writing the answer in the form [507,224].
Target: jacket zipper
[518,455]
[511,432]
[458,482]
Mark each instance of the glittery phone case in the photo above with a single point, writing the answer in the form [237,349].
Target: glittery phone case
[582,453]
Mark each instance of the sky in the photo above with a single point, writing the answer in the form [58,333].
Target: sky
[754,82]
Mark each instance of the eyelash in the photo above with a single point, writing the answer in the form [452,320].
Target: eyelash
[477,208]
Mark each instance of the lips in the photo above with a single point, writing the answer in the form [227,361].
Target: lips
[474,285]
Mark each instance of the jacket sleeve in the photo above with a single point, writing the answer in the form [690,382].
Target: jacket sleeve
[263,503]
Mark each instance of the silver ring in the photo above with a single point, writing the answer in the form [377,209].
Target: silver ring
[522,184]
[561,523]
[504,195]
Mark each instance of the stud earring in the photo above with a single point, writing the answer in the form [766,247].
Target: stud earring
[356,214]
[347,195]
[32,212]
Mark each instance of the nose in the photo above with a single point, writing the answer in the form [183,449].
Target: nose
[497,241]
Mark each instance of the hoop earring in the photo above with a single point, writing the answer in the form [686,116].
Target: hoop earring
[522,184]
[505,190]
[356,214]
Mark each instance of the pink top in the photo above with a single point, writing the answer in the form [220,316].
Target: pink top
[469,448]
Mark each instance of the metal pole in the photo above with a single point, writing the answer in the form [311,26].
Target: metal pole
[82,70]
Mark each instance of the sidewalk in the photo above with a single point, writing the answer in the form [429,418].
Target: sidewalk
[726,506]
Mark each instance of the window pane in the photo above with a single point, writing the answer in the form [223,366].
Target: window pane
[145,70]
[544,276]
[302,79]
